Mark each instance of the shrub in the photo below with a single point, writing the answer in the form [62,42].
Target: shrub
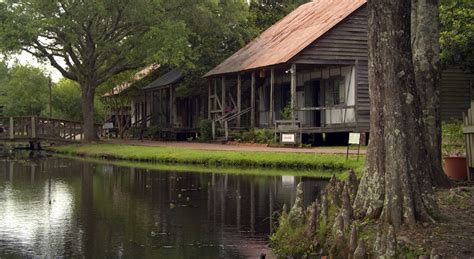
[286,112]
[264,136]
[453,139]
[152,131]
[261,136]
[134,132]
[246,136]
[205,129]
[288,240]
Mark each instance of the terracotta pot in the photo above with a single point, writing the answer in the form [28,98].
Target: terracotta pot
[455,167]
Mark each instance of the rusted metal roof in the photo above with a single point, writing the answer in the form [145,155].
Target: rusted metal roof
[137,77]
[282,41]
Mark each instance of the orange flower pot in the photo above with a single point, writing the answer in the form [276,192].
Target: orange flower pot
[455,167]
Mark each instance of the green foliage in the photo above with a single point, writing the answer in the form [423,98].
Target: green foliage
[246,136]
[24,91]
[457,32]
[453,139]
[135,132]
[290,240]
[205,130]
[268,12]
[264,136]
[286,112]
[152,131]
[66,99]
[261,136]
[301,161]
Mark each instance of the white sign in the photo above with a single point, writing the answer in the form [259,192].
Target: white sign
[288,138]
[108,125]
[354,138]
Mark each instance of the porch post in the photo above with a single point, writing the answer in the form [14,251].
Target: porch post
[171,107]
[272,82]
[160,106]
[223,95]
[252,101]
[12,128]
[293,91]
[239,98]
[144,112]
[152,108]
[33,127]
[215,94]
[209,105]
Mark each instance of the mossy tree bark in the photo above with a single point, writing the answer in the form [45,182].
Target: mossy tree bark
[425,46]
[88,94]
[397,185]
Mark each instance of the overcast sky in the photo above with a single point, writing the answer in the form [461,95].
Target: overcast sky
[25,58]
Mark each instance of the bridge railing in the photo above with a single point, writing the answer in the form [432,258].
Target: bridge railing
[17,128]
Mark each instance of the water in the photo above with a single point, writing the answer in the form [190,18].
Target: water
[56,207]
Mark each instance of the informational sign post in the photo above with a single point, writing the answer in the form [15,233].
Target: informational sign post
[354,139]
[288,138]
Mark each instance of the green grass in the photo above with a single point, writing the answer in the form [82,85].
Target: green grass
[173,155]
[323,174]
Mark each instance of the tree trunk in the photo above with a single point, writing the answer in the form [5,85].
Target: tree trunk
[425,45]
[397,186]
[88,93]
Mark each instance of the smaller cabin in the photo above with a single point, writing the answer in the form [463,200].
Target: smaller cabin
[151,104]
[174,116]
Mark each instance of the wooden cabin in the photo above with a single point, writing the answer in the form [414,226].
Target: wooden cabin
[174,116]
[310,68]
[119,101]
[154,106]
[168,111]
[457,93]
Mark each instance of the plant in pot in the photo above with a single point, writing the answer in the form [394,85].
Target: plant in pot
[454,151]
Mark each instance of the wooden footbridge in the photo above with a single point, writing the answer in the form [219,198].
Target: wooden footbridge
[34,130]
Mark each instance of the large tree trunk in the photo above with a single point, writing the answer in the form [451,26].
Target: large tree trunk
[425,45]
[397,186]
[88,93]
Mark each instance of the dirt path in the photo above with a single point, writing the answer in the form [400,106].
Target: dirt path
[453,235]
[242,148]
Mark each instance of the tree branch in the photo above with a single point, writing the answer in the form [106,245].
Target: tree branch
[113,70]
[52,60]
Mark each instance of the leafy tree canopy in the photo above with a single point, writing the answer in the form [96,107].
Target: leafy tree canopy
[66,100]
[268,12]
[457,32]
[24,91]
[91,41]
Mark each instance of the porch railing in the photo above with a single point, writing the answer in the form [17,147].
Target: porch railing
[224,121]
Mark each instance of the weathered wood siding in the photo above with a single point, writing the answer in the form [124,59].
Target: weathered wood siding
[346,43]
[455,93]
[363,100]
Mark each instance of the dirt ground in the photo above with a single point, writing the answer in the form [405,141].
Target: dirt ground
[241,147]
[453,235]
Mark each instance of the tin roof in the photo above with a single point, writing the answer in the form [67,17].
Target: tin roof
[138,76]
[282,41]
[167,79]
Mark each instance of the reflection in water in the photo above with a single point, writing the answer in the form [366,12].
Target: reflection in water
[59,207]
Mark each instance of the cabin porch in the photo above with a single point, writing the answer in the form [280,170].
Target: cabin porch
[320,98]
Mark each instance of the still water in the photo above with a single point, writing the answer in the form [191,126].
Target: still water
[57,207]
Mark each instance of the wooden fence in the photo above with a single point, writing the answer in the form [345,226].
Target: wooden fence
[39,128]
[469,134]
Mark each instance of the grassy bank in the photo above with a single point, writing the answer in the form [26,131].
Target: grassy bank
[323,174]
[172,155]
